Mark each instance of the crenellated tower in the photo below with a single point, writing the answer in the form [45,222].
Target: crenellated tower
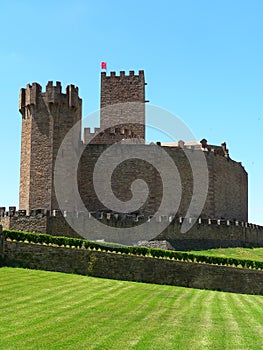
[46,119]
[122,109]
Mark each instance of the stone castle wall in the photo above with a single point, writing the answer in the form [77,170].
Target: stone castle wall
[227,192]
[228,189]
[130,268]
[204,234]
[48,116]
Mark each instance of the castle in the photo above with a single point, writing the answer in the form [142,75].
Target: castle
[48,117]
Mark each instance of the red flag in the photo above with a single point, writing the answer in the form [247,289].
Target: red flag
[103,65]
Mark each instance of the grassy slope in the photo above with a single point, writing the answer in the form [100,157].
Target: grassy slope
[48,310]
[255,254]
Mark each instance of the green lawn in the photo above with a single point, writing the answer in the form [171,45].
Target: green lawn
[255,254]
[49,310]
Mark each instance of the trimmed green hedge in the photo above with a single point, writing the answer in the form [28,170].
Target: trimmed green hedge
[134,250]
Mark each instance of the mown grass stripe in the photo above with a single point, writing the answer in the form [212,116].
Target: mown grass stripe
[163,326]
[242,315]
[102,324]
[202,333]
[79,312]
[41,320]
[235,339]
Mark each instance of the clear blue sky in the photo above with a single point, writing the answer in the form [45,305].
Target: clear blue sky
[203,61]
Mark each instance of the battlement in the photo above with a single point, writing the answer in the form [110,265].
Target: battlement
[89,136]
[120,133]
[114,217]
[202,145]
[122,74]
[204,233]
[31,95]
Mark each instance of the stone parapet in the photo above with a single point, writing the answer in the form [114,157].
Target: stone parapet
[206,233]
[131,268]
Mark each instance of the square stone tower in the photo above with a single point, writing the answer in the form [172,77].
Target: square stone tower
[122,109]
[122,101]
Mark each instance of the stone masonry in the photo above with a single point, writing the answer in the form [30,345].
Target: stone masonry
[130,268]
[47,116]
[122,109]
